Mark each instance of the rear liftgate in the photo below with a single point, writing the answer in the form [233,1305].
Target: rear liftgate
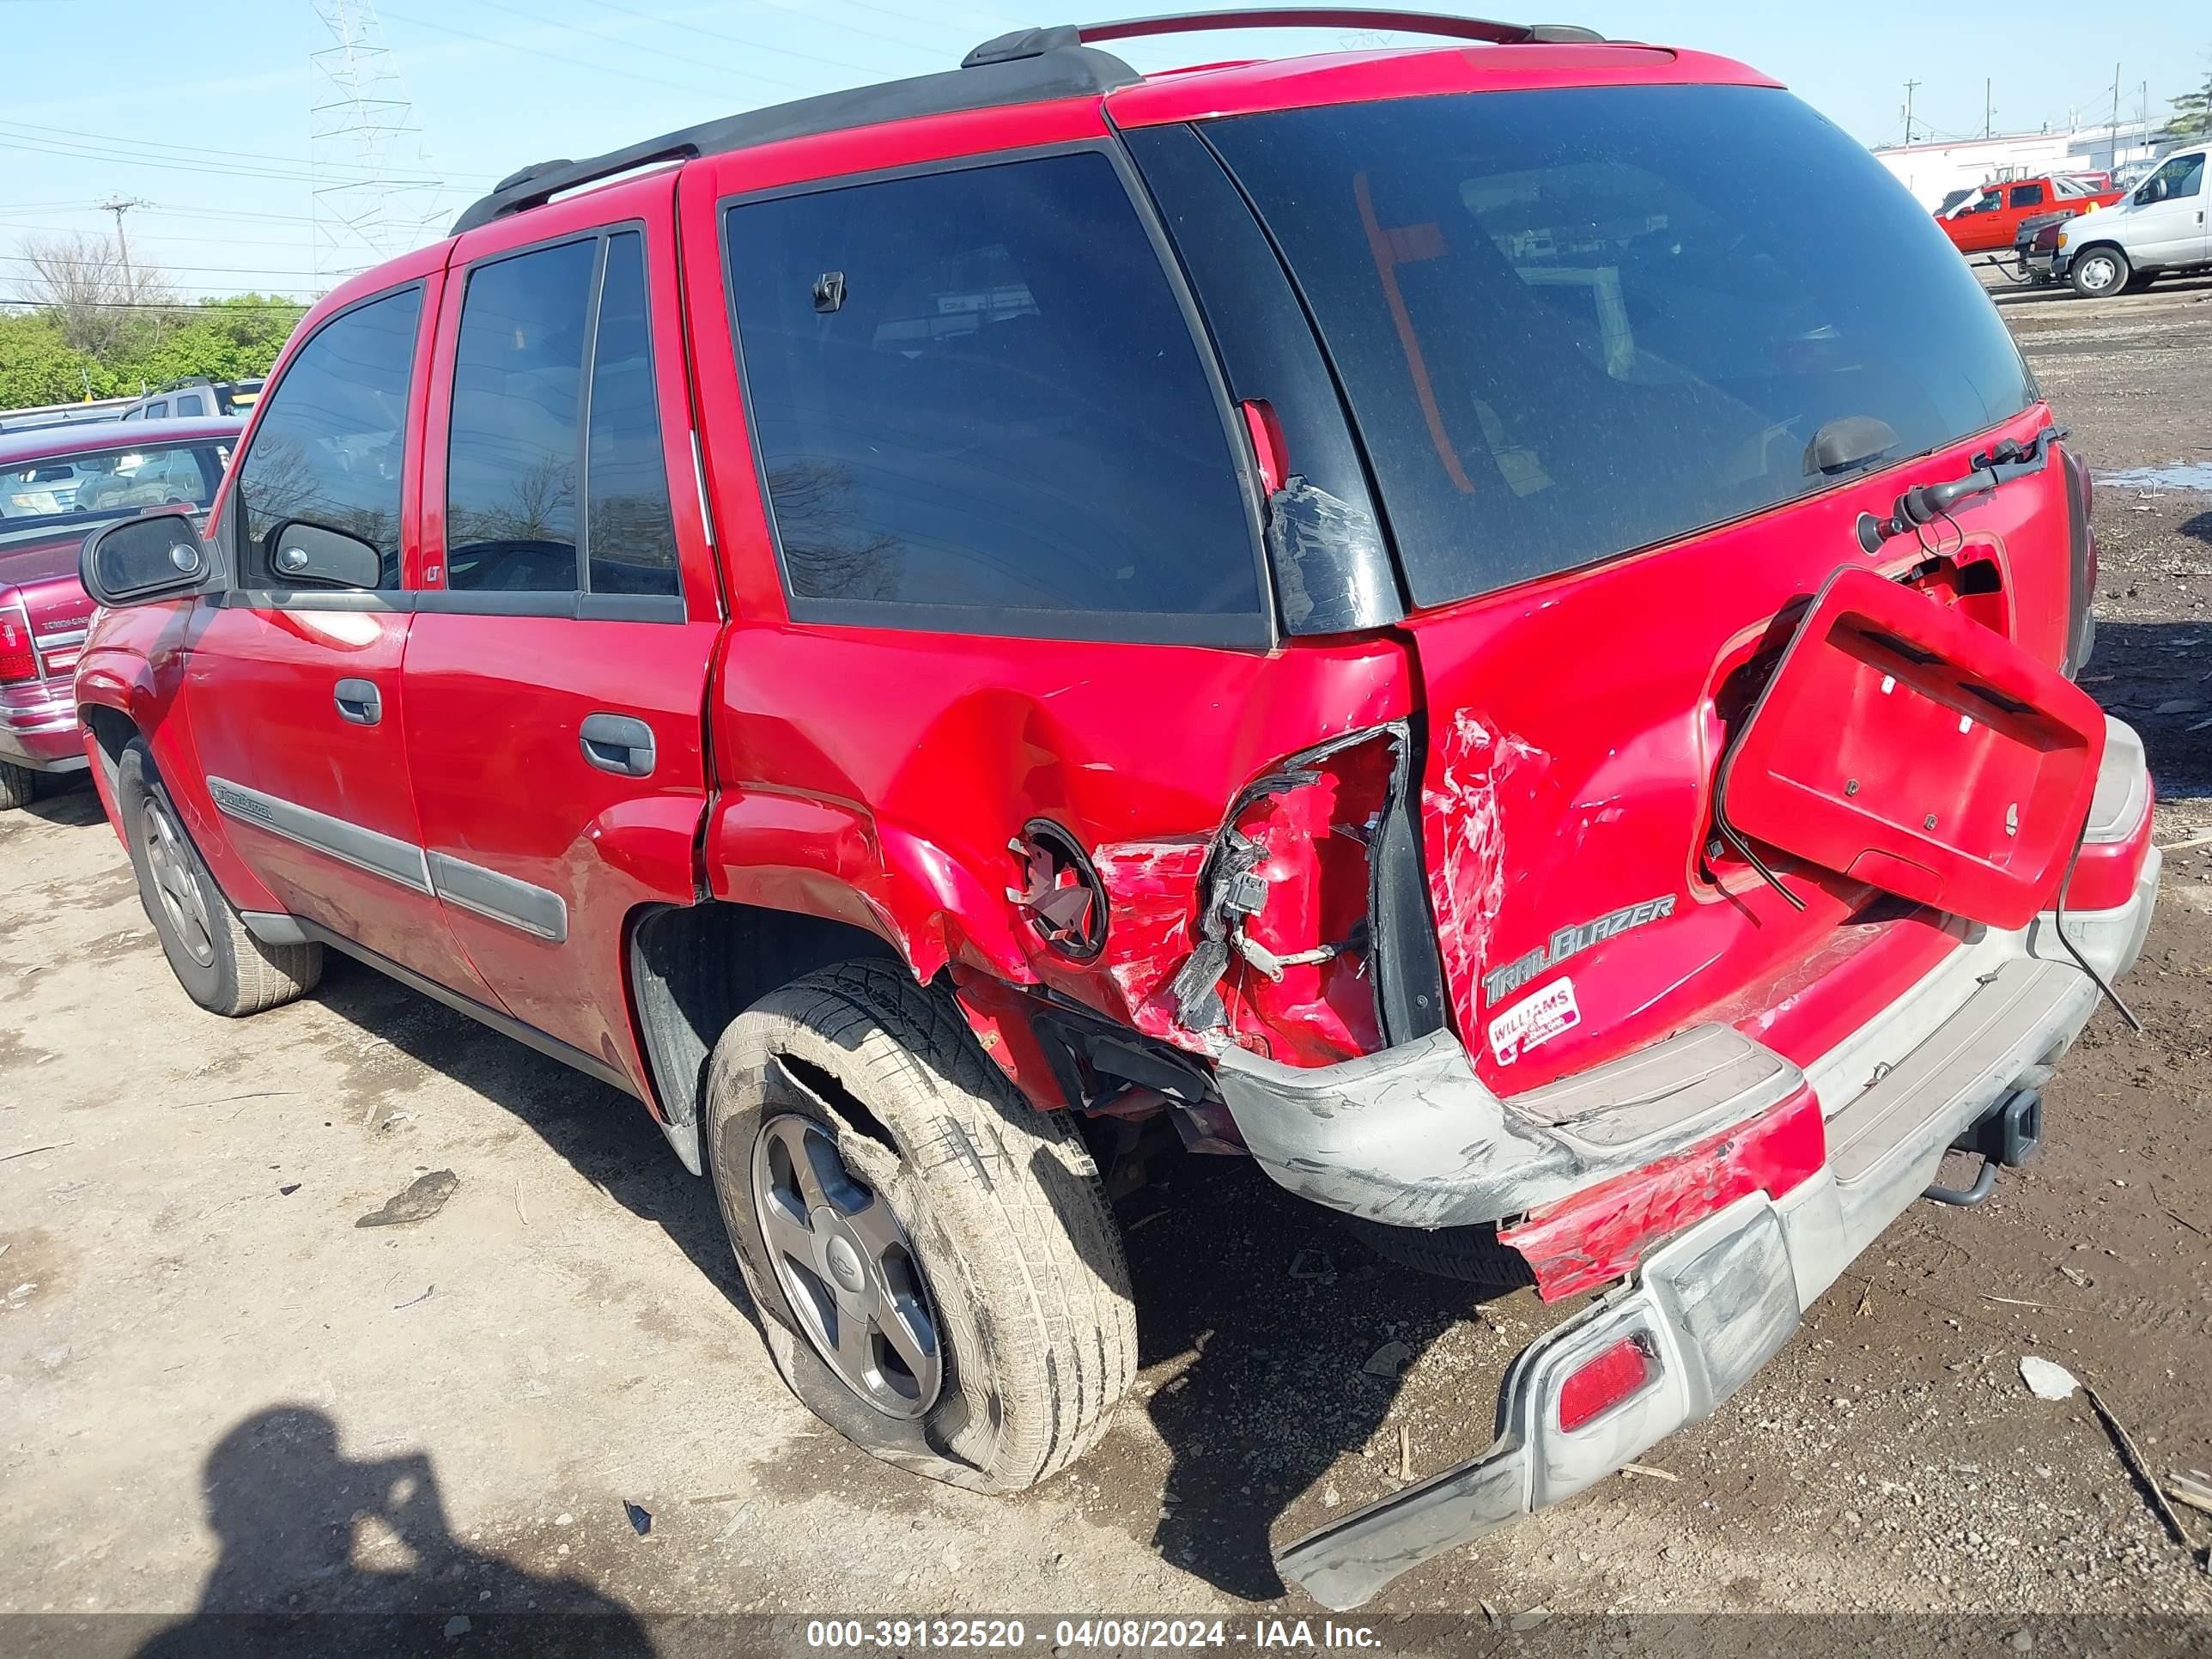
[1899,743]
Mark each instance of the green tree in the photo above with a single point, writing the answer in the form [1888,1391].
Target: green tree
[228,339]
[2190,116]
[39,366]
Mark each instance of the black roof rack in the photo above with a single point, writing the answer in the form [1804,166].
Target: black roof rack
[1059,72]
[1063,37]
[1027,66]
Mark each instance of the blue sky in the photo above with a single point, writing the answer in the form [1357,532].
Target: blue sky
[206,112]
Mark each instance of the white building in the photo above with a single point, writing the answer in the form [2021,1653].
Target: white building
[1933,169]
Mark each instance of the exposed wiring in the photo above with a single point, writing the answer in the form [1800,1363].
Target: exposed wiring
[2058,926]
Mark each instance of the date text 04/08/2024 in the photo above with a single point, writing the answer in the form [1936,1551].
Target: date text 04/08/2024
[900,1635]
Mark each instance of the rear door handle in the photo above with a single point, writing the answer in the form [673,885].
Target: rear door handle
[360,702]
[618,744]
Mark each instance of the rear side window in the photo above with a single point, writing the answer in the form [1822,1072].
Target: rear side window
[979,406]
[632,537]
[518,389]
[192,404]
[553,474]
[2027,195]
[331,445]
[1577,322]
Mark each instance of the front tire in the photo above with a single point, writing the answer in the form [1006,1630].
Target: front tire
[17,784]
[2100,272]
[222,966]
[938,1274]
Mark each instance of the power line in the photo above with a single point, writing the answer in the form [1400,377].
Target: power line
[204,271]
[718,35]
[37,131]
[210,303]
[220,170]
[550,57]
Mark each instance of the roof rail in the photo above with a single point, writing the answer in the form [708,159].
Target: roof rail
[1035,42]
[1053,71]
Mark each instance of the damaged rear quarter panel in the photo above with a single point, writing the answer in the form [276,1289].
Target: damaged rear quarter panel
[876,775]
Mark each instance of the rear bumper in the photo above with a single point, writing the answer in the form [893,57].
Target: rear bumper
[1720,1298]
[37,728]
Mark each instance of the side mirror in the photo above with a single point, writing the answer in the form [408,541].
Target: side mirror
[2152,192]
[153,557]
[304,552]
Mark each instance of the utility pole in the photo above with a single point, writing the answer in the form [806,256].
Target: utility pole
[2113,158]
[1987,109]
[119,205]
[1909,86]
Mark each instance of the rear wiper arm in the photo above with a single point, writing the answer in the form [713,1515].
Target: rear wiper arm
[1925,503]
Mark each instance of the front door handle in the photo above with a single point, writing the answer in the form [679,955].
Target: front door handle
[360,702]
[618,744]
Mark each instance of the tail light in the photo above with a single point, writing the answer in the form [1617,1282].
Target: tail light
[18,661]
[1606,1380]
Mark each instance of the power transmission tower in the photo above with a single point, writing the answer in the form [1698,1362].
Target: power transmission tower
[1909,88]
[119,205]
[374,195]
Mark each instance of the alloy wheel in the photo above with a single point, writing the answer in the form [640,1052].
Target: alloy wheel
[846,1265]
[176,884]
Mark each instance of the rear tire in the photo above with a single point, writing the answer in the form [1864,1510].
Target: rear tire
[1471,1255]
[222,966]
[17,784]
[938,1274]
[2100,272]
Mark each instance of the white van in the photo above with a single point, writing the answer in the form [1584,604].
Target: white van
[2158,228]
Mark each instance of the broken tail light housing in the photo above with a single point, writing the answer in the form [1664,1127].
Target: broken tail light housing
[1314,943]
[18,660]
[1608,1378]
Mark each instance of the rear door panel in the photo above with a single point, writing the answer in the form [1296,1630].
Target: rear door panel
[539,855]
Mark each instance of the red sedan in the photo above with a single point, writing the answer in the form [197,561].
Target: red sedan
[57,484]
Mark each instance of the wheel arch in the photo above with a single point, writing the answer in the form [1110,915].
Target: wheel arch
[690,970]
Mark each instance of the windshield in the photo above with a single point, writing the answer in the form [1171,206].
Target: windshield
[63,492]
[1572,323]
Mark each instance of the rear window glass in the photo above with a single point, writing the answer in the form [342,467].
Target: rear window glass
[1577,322]
[63,493]
[979,407]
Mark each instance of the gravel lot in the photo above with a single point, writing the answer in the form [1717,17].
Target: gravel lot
[219,1394]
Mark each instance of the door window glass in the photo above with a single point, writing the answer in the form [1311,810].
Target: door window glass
[2183,176]
[511,458]
[192,404]
[632,540]
[978,406]
[2026,196]
[332,447]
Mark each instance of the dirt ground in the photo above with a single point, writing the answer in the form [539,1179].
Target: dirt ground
[219,1394]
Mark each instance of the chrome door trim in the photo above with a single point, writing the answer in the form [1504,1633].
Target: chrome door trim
[537,911]
[372,850]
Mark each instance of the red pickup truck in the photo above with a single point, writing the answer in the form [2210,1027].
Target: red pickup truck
[57,483]
[1989,221]
[1401,614]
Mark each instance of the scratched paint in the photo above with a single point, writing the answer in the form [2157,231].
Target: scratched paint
[1464,826]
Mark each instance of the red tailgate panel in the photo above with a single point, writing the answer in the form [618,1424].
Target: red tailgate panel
[1908,746]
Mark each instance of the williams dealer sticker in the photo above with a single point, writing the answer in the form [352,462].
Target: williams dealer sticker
[1537,1020]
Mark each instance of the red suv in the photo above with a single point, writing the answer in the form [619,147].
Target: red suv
[1418,615]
